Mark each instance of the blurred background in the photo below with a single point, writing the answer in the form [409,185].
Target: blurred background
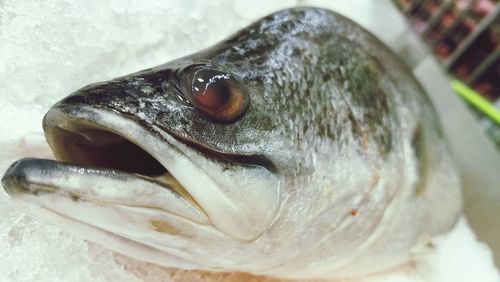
[465,36]
[461,38]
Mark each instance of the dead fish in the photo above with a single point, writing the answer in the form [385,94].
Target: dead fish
[299,147]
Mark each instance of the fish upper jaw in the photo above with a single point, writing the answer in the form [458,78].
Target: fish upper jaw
[209,198]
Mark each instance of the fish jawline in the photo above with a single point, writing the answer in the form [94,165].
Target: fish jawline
[180,160]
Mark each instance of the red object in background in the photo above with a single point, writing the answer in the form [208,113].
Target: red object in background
[461,40]
[484,45]
[488,84]
[452,40]
[484,7]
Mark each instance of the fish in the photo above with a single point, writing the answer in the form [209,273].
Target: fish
[299,147]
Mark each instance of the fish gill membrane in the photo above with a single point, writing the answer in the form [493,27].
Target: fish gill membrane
[328,173]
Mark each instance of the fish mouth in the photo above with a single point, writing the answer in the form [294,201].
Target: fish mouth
[113,161]
[88,143]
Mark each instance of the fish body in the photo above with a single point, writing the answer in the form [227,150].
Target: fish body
[299,147]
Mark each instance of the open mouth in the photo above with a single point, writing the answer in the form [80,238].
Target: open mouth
[88,144]
[87,140]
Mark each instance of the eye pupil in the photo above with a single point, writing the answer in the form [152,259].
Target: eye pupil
[212,95]
[217,94]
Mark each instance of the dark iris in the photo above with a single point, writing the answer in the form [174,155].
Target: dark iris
[210,89]
[217,94]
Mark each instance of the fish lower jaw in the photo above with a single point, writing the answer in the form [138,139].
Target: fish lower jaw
[105,205]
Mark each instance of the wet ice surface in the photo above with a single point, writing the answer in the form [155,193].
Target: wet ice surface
[49,49]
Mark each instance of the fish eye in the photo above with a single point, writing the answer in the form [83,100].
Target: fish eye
[217,94]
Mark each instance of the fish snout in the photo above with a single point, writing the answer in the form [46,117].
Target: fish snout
[21,178]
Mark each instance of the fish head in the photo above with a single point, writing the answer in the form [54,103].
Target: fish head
[192,152]
[271,152]
[148,127]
